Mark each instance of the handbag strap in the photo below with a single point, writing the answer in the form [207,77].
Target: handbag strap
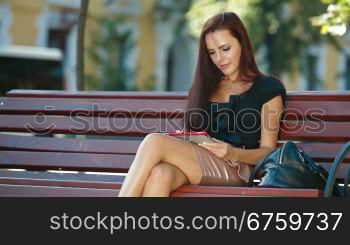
[258,165]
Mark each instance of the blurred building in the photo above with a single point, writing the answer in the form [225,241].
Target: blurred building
[164,53]
[45,24]
[322,67]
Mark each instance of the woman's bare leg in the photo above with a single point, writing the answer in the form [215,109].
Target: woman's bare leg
[163,179]
[157,148]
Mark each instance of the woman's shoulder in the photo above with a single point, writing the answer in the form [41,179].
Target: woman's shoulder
[268,87]
[268,82]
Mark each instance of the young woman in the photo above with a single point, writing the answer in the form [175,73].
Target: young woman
[231,100]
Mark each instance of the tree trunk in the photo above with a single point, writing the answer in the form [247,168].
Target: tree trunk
[80,44]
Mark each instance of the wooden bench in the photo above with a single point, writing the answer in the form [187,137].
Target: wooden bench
[102,131]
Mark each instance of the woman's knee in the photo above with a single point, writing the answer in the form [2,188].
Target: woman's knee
[161,173]
[154,139]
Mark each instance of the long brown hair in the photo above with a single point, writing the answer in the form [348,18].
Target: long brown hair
[208,75]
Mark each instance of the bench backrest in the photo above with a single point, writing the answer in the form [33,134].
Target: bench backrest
[318,121]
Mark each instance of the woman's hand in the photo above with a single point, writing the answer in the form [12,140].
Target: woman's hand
[222,150]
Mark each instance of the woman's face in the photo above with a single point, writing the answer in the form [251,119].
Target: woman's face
[224,51]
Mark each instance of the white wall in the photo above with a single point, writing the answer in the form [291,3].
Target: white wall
[342,64]
[165,36]
[70,76]
[5,23]
[320,52]
[184,56]
[66,3]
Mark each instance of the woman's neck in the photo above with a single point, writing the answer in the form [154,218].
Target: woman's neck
[233,77]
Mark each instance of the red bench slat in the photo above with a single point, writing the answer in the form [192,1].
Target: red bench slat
[290,130]
[247,191]
[315,131]
[85,162]
[318,151]
[337,110]
[340,95]
[87,125]
[27,93]
[28,143]
[332,111]
[89,107]
[50,191]
[185,191]
[61,179]
[65,161]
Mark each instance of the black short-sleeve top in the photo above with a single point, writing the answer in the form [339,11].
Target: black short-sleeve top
[238,122]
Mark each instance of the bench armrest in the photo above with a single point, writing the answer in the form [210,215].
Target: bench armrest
[332,173]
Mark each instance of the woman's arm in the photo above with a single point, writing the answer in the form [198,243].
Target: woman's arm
[270,120]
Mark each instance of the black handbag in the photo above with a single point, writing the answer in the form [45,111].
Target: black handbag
[290,167]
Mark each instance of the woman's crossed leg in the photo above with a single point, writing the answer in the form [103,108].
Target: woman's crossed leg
[162,164]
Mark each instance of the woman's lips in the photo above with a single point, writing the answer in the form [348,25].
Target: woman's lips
[223,66]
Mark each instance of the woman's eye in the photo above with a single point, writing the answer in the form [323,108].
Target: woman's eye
[226,49]
[211,53]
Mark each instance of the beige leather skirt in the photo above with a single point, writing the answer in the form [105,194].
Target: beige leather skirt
[216,171]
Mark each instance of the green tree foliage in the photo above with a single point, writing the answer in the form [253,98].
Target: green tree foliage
[282,29]
[201,10]
[109,50]
[336,19]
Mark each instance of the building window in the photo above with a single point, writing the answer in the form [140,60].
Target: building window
[61,23]
[311,72]
[30,68]
[5,23]
[57,39]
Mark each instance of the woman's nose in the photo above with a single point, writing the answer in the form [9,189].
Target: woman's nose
[219,57]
